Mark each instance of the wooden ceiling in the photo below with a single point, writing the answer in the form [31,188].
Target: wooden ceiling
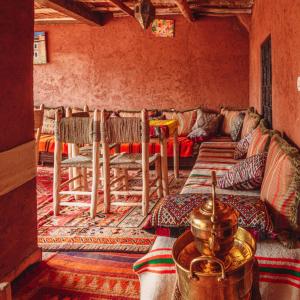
[97,12]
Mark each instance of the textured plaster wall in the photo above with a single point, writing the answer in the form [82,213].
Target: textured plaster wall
[121,66]
[18,234]
[281,19]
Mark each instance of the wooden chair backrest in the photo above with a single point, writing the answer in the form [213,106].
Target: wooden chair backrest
[77,128]
[124,129]
[38,117]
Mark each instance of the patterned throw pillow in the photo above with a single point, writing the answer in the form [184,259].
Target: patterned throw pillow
[281,185]
[208,129]
[242,146]
[251,121]
[229,117]
[246,175]
[236,126]
[203,118]
[174,210]
[186,120]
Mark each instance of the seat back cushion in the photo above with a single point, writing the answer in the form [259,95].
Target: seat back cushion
[251,121]
[281,184]
[186,120]
[229,117]
[260,140]
[245,175]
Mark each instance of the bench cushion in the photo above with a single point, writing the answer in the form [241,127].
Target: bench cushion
[281,184]
[174,211]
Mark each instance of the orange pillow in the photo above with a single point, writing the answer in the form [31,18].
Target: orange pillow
[281,184]
[251,121]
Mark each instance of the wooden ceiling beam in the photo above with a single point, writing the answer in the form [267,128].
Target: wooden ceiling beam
[123,7]
[74,10]
[185,9]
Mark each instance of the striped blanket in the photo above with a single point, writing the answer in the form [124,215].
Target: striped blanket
[217,154]
[279,271]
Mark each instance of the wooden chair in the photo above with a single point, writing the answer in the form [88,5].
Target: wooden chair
[76,130]
[38,124]
[129,130]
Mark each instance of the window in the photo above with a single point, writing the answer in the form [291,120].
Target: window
[266,80]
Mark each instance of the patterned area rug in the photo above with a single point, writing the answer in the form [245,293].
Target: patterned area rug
[81,275]
[120,230]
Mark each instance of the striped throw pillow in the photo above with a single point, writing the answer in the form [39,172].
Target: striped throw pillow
[186,120]
[251,121]
[229,117]
[281,184]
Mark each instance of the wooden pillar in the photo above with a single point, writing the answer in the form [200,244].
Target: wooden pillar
[18,209]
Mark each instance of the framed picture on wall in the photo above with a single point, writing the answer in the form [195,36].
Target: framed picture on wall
[163,28]
[39,48]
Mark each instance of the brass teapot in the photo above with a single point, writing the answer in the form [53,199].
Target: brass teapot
[214,260]
[213,226]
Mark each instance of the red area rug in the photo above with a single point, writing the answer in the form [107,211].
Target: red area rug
[81,275]
[73,229]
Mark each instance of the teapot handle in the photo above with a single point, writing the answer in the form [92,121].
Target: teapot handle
[192,274]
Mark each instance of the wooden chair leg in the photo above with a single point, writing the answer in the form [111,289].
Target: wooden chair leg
[71,184]
[145,176]
[106,178]
[158,175]
[116,173]
[84,179]
[57,178]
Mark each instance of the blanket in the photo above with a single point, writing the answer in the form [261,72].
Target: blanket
[279,271]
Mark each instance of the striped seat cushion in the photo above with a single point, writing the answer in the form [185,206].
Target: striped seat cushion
[251,121]
[157,271]
[281,184]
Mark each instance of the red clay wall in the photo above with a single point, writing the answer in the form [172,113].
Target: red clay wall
[121,66]
[281,18]
[18,235]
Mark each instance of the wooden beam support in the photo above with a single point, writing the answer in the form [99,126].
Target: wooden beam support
[245,21]
[74,10]
[123,7]
[185,10]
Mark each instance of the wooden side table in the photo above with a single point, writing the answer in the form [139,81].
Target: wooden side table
[168,128]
